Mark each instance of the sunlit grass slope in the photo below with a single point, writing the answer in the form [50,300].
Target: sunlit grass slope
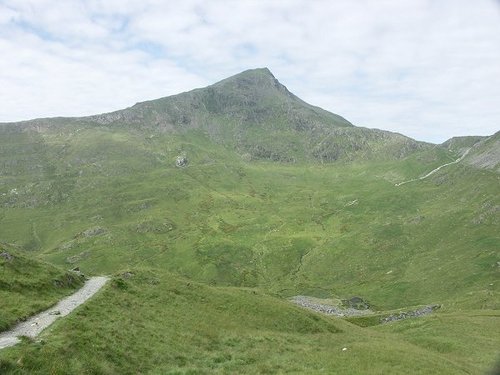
[28,285]
[151,322]
[113,199]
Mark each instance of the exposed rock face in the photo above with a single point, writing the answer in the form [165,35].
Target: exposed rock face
[486,154]
[181,161]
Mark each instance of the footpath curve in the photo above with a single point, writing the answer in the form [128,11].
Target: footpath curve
[435,170]
[37,323]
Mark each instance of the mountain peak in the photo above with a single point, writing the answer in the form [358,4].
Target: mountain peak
[259,77]
[254,72]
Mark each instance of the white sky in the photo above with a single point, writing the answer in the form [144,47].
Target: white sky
[425,68]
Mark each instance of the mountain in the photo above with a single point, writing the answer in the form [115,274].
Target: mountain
[253,114]
[485,153]
[213,208]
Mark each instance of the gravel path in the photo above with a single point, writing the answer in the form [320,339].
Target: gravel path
[435,170]
[37,323]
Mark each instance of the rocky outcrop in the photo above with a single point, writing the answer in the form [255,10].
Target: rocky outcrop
[486,154]
[5,255]
[92,232]
[356,303]
[181,161]
[311,304]
[410,314]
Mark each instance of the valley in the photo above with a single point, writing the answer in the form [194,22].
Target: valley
[274,198]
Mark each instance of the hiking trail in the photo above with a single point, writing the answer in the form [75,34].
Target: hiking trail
[37,323]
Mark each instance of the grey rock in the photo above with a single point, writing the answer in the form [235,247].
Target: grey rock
[92,232]
[77,272]
[356,303]
[308,303]
[426,310]
[8,257]
[181,161]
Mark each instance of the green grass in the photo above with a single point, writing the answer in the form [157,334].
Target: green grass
[289,229]
[155,323]
[468,338]
[261,213]
[28,286]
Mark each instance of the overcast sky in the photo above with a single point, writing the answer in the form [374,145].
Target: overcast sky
[427,69]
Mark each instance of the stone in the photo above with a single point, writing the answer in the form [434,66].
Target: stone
[92,232]
[411,314]
[5,255]
[181,161]
[356,303]
[77,272]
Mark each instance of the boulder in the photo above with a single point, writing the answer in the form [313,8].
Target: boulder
[181,161]
[5,255]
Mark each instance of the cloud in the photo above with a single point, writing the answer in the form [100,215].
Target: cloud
[423,68]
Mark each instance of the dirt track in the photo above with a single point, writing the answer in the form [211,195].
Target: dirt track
[435,170]
[37,323]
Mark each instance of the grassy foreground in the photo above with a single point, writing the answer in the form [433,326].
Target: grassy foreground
[28,286]
[151,322]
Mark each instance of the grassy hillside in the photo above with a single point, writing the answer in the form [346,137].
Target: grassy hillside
[28,286]
[151,322]
[116,200]
[486,153]
[277,198]
[460,144]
